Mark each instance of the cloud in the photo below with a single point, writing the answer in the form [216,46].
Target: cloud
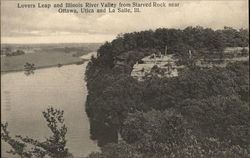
[39,24]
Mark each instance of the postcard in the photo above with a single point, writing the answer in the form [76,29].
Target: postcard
[125,79]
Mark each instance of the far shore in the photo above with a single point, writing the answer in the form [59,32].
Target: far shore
[41,60]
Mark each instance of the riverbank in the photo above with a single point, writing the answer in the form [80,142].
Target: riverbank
[41,60]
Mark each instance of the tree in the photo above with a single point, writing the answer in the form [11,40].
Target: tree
[166,134]
[29,68]
[223,117]
[157,132]
[54,146]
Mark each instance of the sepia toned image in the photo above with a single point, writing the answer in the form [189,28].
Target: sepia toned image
[125,79]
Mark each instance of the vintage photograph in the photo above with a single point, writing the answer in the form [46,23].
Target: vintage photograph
[125,79]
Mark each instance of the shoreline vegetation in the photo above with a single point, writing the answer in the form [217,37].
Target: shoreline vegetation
[43,63]
[46,66]
[43,56]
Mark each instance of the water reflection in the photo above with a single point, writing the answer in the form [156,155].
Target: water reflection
[29,72]
[100,131]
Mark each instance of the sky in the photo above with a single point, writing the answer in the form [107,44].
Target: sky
[36,25]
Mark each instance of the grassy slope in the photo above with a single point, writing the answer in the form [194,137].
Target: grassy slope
[45,59]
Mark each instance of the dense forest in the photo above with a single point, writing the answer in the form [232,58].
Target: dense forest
[203,112]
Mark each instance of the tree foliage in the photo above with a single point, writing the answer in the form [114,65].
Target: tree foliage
[54,146]
[203,112]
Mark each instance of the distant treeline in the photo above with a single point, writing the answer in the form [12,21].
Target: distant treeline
[201,40]
[203,112]
[8,52]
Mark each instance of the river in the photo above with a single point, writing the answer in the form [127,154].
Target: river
[23,98]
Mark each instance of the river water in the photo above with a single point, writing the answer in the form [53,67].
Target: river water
[23,98]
